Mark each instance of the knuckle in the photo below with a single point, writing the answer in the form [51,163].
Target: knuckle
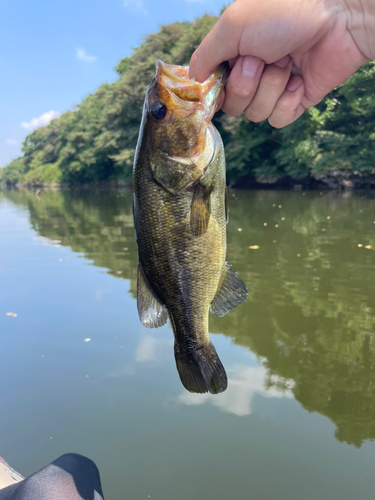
[254,116]
[273,79]
[283,107]
[239,92]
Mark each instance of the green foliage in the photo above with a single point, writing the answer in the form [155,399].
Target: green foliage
[96,141]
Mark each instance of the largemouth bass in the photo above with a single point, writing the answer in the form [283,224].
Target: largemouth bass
[180,215]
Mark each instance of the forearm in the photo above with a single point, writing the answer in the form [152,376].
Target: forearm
[361,24]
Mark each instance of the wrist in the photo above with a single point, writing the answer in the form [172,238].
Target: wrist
[361,24]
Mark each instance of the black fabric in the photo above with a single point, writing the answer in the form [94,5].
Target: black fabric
[70,477]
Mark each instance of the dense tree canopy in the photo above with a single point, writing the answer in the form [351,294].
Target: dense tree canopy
[333,142]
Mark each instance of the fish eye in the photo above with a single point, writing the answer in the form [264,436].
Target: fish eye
[158,110]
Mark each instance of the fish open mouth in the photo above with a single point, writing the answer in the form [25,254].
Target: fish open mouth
[176,79]
[188,107]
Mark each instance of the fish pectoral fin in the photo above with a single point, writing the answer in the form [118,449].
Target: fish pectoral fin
[231,293]
[200,210]
[151,311]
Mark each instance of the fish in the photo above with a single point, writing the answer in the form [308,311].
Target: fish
[180,216]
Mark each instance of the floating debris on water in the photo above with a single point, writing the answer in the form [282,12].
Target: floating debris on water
[282,218]
[87,340]
[368,247]
[274,205]
[119,272]
[254,247]
[274,241]
[264,223]
[359,245]
[14,315]
[276,225]
[298,255]
[239,229]
[323,229]
[328,217]
[280,206]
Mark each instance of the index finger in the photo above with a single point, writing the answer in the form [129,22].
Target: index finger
[221,44]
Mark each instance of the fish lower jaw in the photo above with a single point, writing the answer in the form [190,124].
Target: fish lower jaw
[202,160]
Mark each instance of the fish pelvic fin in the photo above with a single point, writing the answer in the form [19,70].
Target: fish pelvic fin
[201,370]
[232,292]
[151,311]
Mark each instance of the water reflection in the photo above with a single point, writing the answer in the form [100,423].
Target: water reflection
[245,382]
[310,314]
[152,349]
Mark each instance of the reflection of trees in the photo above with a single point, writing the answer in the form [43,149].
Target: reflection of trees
[98,224]
[311,317]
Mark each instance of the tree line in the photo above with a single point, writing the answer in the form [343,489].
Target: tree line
[332,144]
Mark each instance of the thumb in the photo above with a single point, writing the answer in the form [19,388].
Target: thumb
[268,29]
[221,44]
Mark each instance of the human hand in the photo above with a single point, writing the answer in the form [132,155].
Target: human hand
[285,55]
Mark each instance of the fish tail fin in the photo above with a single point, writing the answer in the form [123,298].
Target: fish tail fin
[201,370]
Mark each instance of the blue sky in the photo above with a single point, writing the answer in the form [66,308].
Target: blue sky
[55,52]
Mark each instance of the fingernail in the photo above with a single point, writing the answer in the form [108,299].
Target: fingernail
[294,83]
[283,62]
[250,66]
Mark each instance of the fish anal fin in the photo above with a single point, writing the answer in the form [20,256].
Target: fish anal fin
[201,370]
[151,312]
[231,293]
[200,211]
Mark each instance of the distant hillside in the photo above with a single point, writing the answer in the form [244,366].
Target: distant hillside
[333,143]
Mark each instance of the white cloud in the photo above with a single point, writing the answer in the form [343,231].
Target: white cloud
[146,349]
[135,4]
[152,349]
[41,240]
[12,142]
[126,370]
[84,56]
[243,385]
[43,119]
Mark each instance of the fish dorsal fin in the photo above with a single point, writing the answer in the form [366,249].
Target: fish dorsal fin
[231,293]
[200,210]
[151,312]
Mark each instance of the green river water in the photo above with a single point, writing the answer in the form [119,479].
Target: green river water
[298,419]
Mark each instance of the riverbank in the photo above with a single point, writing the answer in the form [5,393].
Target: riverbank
[334,180]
